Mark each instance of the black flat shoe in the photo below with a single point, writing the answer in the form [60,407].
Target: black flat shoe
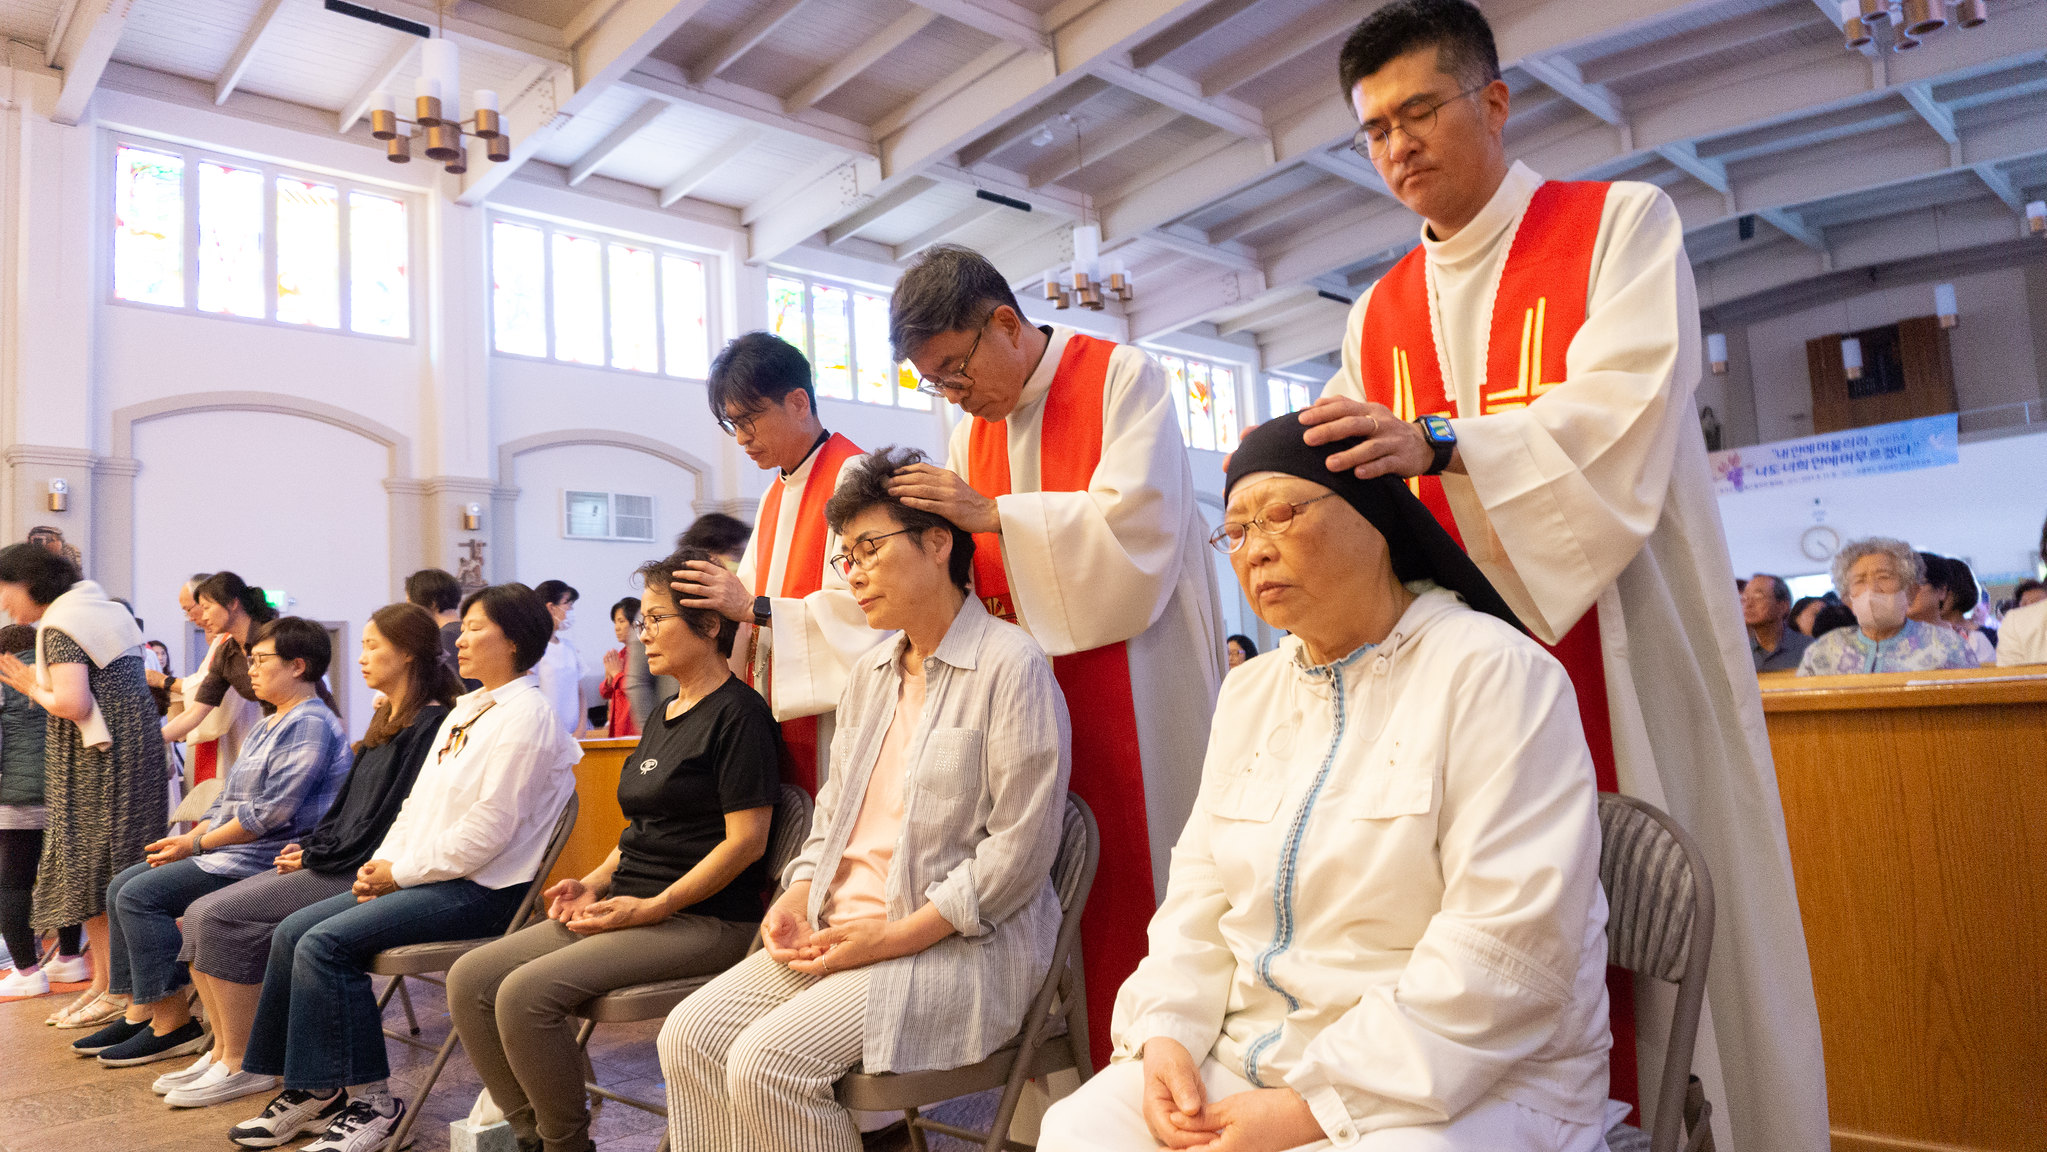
[117,1032]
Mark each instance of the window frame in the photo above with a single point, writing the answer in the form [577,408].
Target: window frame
[606,239]
[853,289]
[1291,382]
[610,512]
[194,155]
[1239,372]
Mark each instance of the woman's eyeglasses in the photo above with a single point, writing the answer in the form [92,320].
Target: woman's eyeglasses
[650,617]
[862,552]
[1272,521]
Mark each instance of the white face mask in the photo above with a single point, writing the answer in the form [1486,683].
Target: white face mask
[569,617]
[1880,611]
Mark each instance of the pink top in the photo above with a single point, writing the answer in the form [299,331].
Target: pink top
[860,889]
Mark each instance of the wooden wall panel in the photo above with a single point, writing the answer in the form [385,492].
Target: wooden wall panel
[1929,379]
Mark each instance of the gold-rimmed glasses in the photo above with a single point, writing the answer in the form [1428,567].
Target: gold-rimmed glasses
[1272,520]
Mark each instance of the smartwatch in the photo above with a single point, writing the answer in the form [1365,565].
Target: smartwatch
[1442,439]
[763,612]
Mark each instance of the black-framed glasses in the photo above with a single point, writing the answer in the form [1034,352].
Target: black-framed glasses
[733,427]
[257,659]
[862,552]
[650,617]
[1417,118]
[1272,520]
[948,384]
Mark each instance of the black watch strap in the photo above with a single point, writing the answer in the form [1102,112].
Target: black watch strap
[1442,441]
[763,612]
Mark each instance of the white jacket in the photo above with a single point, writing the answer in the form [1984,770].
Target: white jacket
[1388,895]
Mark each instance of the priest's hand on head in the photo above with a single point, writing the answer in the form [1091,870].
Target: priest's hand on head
[1392,446]
[703,584]
[929,488]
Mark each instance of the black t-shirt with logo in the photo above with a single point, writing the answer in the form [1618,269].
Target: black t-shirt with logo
[723,755]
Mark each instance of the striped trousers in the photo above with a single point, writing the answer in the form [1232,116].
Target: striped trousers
[751,1059]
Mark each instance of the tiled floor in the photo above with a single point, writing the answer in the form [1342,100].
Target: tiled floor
[53,1101]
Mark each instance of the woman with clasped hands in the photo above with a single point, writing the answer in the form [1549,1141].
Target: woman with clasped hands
[1383,926]
[919,917]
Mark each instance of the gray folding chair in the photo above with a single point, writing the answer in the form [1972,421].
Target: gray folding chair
[430,962]
[654,1001]
[1054,1033]
[1659,923]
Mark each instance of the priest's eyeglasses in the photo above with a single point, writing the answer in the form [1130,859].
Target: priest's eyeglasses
[1272,521]
[862,552]
[1417,118]
[946,385]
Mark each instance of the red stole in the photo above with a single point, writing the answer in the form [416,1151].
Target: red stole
[801,575]
[1538,309]
[1107,770]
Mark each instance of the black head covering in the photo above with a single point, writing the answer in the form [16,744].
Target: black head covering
[1420,548]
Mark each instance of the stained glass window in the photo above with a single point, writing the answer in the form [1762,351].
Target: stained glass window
[578,299]
[379,259]
[634,343]
[1223,383]
[880,373]
[685,331]
[518,266]
[832,361]
[308,253]
[845,337]
[1176,383]
[149,226]
[786,313]
[1200,407]
[230,240]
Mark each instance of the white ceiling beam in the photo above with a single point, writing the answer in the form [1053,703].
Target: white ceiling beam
[717,158]
[481,27]
[1766,31]
[946,229]
[746,39]
[1561,77]
[1711,173]
[88,44]
[875,209]
[1226,254]
[813,206]
[1284,209]
[1183,95]
[224,86]
[1028,258]
[58,26]
[2001,186]
[1050,197]
[594,157]
[1357,171]
[1005,20]
[1197,24]
[1786,221]
[1936,115]
[1269,311]
[661,79]
[1304,338]
[852,62]
[1034,119]
[589,16]
[379,80]
[1326,23]
[944,89]
[1164,304]
[1118,135]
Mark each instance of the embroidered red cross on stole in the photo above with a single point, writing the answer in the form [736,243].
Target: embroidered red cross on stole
[1537,310]
[1107,770]
[802,574]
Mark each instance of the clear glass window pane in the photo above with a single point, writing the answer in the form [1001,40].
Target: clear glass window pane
[1276,397]
[518,266]
[1176,383]
[1224,382]
[578,299]
[785,312]
[833,364]
[1298,395]
[308,253]
[633,342]
[379,260]
[149,226]
[230,240]
[1200,407]
[682,305]
[870,348]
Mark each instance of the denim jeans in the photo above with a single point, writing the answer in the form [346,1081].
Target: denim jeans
[143,906]
[317,1023]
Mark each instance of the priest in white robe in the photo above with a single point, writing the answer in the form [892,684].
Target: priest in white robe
[1073,477]
[1532,366]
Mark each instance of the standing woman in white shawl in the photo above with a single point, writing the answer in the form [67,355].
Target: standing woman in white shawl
[104,758]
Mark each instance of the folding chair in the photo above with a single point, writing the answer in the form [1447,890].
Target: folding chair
[654,1001]
[1659,923]
[430,962]
[1054,1032]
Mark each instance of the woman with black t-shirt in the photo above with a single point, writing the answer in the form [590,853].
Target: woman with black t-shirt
[681,895]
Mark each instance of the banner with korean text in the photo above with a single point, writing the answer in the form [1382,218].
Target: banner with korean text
[1928,442]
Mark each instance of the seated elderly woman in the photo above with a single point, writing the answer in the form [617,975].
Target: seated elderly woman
[919,916]
[282,783]
[1879,577]
[680,895]
[1383,925]
[454,865]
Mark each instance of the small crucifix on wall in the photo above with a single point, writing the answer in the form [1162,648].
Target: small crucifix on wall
[469,571]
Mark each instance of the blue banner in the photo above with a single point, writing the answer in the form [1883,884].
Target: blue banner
[1927,442]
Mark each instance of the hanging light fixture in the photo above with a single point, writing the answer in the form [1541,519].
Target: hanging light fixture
[1972,13]
[2036,217]
[1902,25]
[1851,357]
[1944,305]
[1924,16]
[1852,27]
[437,112]
[1716,352]
[1084,281]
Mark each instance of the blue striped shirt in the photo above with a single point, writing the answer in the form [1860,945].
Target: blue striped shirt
[289,771]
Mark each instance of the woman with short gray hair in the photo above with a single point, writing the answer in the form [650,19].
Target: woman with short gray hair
[1877,577]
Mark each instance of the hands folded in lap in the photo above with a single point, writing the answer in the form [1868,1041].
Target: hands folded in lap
[1182,1118]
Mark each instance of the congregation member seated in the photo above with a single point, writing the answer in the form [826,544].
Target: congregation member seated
[453,866]
[1948,597]
[1880,578]
[227,933]
[1239,649]
[1765,609]
[289,770]
[919,916]
[1383,926]
[679,896]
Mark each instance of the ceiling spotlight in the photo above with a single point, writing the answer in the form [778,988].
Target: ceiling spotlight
[1851,357]
[1852,27]
[1902,25]
[2036,217]
[1716,352]
[1875,12]
[1041,137]
[1944,305]
[1972,13]
[1924,16]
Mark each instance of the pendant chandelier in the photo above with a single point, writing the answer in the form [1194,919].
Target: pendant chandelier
[437,112]
[1083,282]
[1902,25]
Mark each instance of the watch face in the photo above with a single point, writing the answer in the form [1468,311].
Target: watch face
[1438,429]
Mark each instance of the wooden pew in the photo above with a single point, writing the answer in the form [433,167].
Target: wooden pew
[1916,807]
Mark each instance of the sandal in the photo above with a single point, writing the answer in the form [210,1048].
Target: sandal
[93,1012]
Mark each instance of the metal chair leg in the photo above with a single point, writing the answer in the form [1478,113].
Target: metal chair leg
[405,998]
[917,1143]
[426,1088]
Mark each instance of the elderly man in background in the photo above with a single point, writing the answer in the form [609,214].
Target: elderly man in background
[1879,577]
[1765,607]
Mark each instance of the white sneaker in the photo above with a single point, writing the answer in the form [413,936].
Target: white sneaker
[359,1128]
[36,983]
[69,970]
[183,1076]
[291,1114]
[218,1086]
